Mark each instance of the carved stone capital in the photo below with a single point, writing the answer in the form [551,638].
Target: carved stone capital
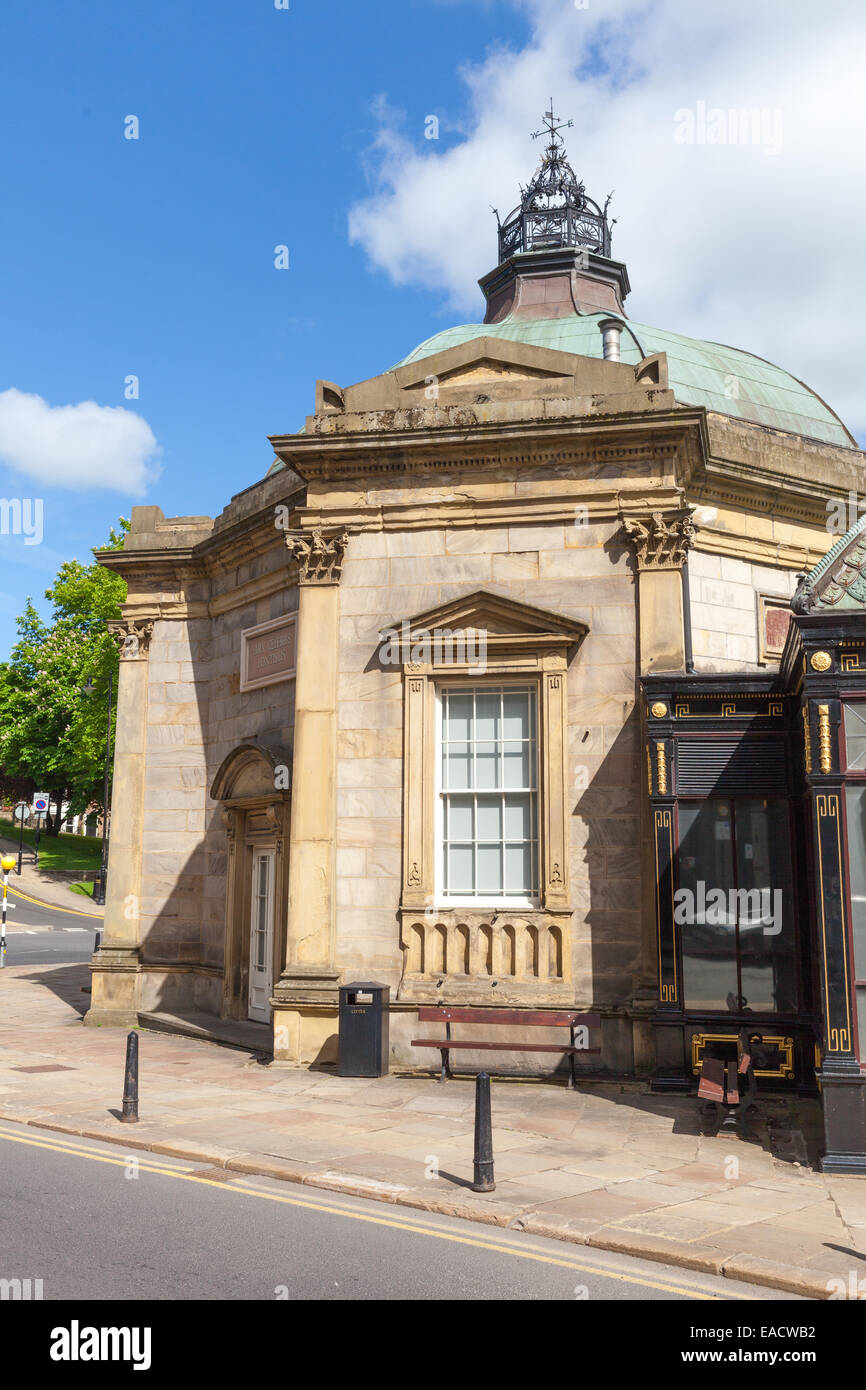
[661,540]
[319,555]
[132,637]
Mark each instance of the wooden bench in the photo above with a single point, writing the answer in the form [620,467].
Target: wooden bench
[728,1080]
[513,1018]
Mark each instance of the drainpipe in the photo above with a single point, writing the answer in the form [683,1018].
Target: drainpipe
[687,621]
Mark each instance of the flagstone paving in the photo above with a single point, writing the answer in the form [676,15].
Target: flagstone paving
[610,1165]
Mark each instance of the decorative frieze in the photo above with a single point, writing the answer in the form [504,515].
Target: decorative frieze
[319,555]
[661,541]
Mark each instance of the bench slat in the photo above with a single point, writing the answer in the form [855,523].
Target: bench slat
[518,1018]
[445,1045]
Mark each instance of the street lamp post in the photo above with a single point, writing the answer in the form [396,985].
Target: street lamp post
[99,887]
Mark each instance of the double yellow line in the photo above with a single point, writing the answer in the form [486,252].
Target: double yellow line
[54,907]
[78,1150]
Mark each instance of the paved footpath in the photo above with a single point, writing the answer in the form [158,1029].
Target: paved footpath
[611,1166]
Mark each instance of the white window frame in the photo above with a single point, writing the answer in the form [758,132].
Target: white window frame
[505,901]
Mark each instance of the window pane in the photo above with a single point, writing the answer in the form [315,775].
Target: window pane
[515,722]
[855,798]
[486,766]
[461,876]
[487,708]
[489,819]
[456,771]
[855,735]
[459,719]
[517,765]
[518,818]
[489,869]
[765,906]
[708,934]
[459,819]
[518,869]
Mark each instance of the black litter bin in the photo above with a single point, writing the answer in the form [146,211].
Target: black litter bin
[364,1030]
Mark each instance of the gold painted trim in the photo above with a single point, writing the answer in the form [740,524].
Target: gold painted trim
[824,739]
[828,808]
[785,1071]
[821,661]
[649,769]
[807,737]
[659,710]
[662,768]
[668,993]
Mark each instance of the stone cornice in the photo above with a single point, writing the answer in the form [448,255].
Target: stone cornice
[527,444]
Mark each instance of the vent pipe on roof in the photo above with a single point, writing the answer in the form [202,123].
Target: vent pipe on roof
[611,331]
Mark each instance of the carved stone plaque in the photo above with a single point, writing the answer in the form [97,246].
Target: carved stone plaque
[268,653]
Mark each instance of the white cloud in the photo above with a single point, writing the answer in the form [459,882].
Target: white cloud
[735,243]
[77,446]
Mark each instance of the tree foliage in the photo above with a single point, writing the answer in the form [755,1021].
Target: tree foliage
[50,732]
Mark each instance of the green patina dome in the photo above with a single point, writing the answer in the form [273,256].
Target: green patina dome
[722,379]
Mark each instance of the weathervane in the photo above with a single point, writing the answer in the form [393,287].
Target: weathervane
[551,126]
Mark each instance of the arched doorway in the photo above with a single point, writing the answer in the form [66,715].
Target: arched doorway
[252,786]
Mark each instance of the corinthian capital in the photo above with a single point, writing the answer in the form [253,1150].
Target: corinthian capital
[132,637]
[661,540]
[319,556]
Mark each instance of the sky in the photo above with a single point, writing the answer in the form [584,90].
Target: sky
[155,157]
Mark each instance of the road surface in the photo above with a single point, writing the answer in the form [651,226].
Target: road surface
[98,1221]
[39,934]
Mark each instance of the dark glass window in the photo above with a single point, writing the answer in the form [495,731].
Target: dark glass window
[855,796]
[735,906]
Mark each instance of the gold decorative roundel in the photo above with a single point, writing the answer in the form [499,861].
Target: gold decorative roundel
[659,711]
[821,661]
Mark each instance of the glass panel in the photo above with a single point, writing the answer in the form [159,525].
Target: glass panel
[486,766]
[706,875]
[489,869]
[855,735]
[518,818]
[460,820]
[764,906]
[456,766]
[855,798]
[489,819]
[515,712]
[518,869]
[458,723]
[461,872]
[517,765]
[487,707]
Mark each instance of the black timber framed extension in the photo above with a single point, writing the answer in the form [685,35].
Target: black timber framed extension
[760,923]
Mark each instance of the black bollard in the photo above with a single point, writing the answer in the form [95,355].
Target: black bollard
[484,1181]
[98,942]
[129,1115]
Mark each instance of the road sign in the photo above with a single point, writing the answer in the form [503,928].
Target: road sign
[40,805]
[21,810]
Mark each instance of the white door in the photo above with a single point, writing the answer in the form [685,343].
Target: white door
[262,935]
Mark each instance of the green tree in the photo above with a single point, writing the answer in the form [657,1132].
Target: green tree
[49,730]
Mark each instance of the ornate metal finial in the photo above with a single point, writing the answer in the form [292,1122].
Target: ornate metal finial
[555,209]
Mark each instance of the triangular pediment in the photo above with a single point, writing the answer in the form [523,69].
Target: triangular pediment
[501,618]
[487,359]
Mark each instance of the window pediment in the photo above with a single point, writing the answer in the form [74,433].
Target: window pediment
[507,629]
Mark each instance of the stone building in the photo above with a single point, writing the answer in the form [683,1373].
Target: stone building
[432,702]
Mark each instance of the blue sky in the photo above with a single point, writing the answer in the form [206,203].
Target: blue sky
[305,127]
[155,257]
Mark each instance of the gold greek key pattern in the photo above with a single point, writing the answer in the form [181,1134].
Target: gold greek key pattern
[729,711]
[850,663]
[785,1070]
[824,739]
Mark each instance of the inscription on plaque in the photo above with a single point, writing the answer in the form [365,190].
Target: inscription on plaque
[268,653]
